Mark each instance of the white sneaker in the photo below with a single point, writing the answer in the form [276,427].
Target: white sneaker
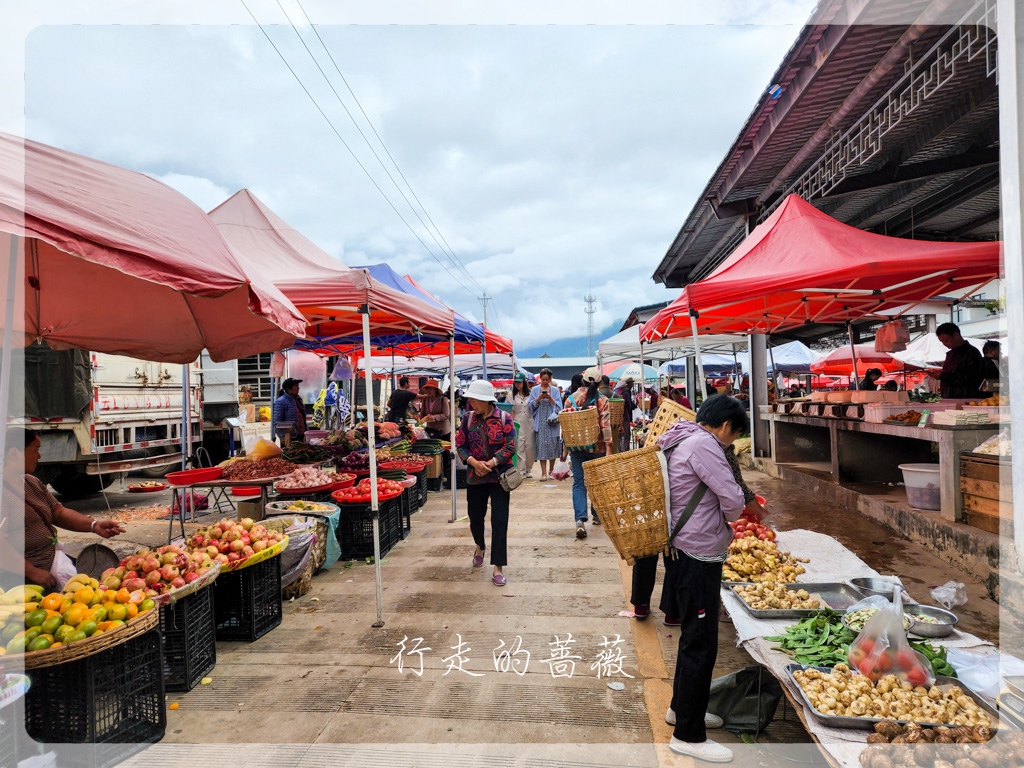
[710,720]
[709,751]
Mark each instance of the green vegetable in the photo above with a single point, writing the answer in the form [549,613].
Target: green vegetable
[819,640]
[937,656]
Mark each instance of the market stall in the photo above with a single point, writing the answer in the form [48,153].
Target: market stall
[785,639]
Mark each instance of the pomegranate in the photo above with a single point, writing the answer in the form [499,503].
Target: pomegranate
[190,577]
[248,552]
[133,563]
[150,564]
[234,557]
[247,523]
[178,582]
[232,536]
[259,546]
[169,572]
[112,582]
[224,546]
[152,579]
[212,551]
[167,558]
[222,558]
[197,540]
[107,574]
[216,532]
[237,545]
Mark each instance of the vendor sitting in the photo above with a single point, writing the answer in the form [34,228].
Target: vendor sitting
[43,562]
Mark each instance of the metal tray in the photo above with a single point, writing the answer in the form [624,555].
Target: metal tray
[833,594]
[868,723]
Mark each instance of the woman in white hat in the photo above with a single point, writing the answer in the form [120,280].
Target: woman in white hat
[486,442]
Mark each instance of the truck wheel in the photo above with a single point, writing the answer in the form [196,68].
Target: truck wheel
[76,485]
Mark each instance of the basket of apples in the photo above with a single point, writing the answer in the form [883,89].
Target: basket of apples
[165,574]
[237,544]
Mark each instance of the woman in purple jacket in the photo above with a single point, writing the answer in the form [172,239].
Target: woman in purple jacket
[695,459]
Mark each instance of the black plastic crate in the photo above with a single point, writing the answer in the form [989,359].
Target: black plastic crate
[114,697]
[435,484]
[190,640]
[247,603]
[460,478]
[421,486]
[12,719]
[410,503]
[355,529]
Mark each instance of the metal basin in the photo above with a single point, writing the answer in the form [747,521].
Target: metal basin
[872,585]
[947,620]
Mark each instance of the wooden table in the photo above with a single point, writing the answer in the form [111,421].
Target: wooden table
[865,452]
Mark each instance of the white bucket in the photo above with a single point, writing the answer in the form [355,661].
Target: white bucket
[922,482]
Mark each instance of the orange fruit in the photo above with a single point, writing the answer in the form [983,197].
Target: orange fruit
[133,610]
[66,604]
[52,601]
[117,611]
[84,595]
[58,644]
[98,613]
[102,626]
[123,595]
[76,614]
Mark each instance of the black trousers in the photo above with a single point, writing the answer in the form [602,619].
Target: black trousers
[645,574]
[477,497]
[697,586]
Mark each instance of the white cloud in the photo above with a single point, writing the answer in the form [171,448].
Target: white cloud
[554,160]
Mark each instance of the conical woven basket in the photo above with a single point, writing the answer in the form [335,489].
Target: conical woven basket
[629,492]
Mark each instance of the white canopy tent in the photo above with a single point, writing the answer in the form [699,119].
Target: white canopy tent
[926,351]
[625,345]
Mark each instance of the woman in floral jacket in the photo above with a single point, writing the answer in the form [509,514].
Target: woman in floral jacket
[486,442]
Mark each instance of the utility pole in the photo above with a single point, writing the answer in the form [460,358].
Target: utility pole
[483,344]
[589,298]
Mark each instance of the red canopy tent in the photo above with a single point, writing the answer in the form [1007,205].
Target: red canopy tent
[115,261]
[327,292]
[801,266]
[332,297]
[839,362]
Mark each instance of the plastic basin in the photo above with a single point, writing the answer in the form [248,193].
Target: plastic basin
[922,482]
[191,476]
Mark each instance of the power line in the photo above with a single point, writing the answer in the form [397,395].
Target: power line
[450,251]
[352,153]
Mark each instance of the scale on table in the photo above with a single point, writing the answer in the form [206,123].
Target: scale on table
[1011,699]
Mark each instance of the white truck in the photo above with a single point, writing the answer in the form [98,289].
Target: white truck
[99,415]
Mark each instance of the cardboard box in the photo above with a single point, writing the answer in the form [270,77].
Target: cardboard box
[434,469]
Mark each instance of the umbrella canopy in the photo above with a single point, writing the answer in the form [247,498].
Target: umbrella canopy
[115,261]
[801,266]
[326,291]
[634,371]
[839,362]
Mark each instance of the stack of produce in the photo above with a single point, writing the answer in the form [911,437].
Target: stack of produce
[888,697]
[229,542]
[355,462]
[304,477]
[35,622]
[382,430]
[360,493]
[304,453]
[771,595]
[347,441]
[158,571]
[427,446]
[244,469]
[747,527]
[752,560]
[820,640]
[891,732]
[307,506]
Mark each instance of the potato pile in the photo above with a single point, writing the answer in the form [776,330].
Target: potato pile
[768,596]
[843,693]
[752,559]
[962,747]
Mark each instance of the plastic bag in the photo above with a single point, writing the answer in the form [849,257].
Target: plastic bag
[882,649]
[561,470]
[745,699]
[263,449]
[983,672]
[950,594]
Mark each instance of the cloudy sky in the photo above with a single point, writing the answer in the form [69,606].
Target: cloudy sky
[548,160]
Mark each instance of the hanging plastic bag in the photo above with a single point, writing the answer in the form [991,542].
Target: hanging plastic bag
[264,449]
[881,648]
[950,594]
[561,470]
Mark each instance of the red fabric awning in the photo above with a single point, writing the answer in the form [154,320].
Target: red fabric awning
[326,291]
[114,261]
[801,266]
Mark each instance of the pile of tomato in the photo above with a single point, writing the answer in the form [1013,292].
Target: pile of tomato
[360,493]
[748,526]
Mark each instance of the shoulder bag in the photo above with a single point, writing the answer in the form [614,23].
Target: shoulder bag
[511,478]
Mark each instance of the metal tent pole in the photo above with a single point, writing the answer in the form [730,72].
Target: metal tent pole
[700,365]
[855,379]
[454,416]
[372,439]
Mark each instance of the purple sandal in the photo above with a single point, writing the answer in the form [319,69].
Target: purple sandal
[478,560]
[498,579]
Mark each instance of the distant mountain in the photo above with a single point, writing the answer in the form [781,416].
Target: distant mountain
[575,346]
